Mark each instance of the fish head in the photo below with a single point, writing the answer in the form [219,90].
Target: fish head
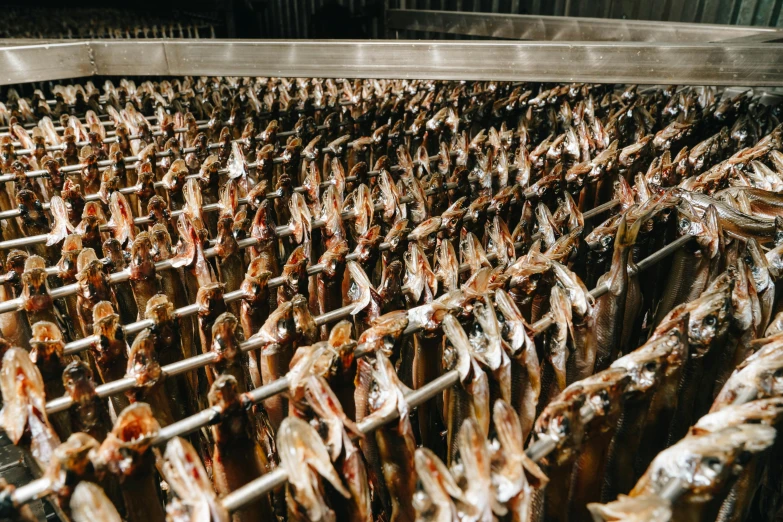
[142,265]
[756,263]
[35,288]
[306,327]
[484,336]
[656,360]
[225,394]
[561,422]
[225,341]
[333,260]
[143,365]
[72,460]
[78,381]
[255,285]
[384,333]
[46,343]
[709,320]
[706,461]
[601,238]
[295,269]
[438,488]
[209,299]
[306,460]
[397,237]
[527,271]
[329,413]
[131,436]
[161,242]
[425,233]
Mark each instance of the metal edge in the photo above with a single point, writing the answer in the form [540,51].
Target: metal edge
[46,61]
[563,28]
[615,62]
[740,64]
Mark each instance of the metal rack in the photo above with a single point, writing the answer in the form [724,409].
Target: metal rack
[736,57]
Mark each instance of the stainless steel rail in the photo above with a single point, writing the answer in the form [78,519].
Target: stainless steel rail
[724,63]
[571,29]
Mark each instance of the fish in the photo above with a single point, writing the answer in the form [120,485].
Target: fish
[126,454]
[143,274]
[231,360]
[396,442]
[93,287]
[330,280]
[342,450]
[254,307]
[439,490]
[516,479]
[295,278]
[195,499]
[90,503]
[88,414]
[36,301]
[475,471]
[712,459]
[149,380]
[23,416]
[237,456]
[277,336]
[610,307]
[46,352]
[110,351]
[654,371]
[114,262]
[171,284]
[210,305]
[642,508]
[166,332]
[471,398]
[525,367]
[299,443]
[72,464]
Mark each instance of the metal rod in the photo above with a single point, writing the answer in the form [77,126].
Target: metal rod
[261,486]
[183,366]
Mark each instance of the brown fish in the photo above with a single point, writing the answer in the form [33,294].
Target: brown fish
[126,454]
[237,457]
[110,351]
[46,352]
[88,413]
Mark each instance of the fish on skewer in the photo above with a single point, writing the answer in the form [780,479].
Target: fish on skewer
[237,456]
[126,454]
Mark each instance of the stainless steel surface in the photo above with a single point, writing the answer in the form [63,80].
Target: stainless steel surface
[49,61]
[615,62]
[560,28]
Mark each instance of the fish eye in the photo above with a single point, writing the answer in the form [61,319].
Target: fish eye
[535,277]
[713,464]
[710,320]
[651,366]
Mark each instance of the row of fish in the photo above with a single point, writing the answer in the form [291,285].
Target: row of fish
[74,22]
[482,237]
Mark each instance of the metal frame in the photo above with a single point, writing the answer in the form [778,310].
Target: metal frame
[726,63]
[572,29]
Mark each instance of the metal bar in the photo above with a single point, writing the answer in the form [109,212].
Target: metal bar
[263,485]
[607,62]
[558,28]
